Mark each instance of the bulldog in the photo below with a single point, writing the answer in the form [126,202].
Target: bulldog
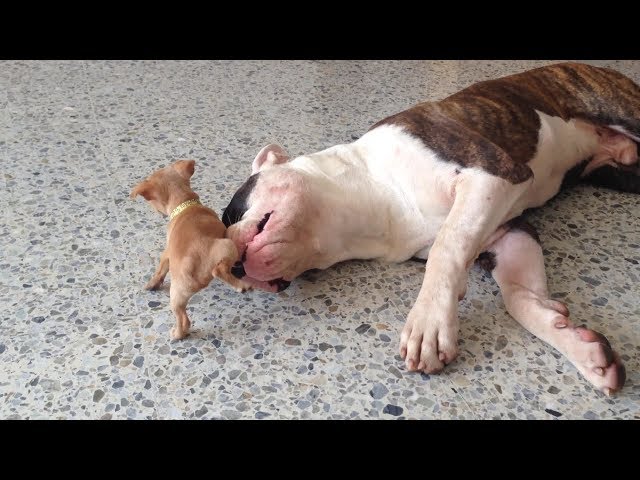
[449,181]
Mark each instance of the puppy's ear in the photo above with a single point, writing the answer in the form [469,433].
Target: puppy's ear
[269,156]
[185,168]
[144,188]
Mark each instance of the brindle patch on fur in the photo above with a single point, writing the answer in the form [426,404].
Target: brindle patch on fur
[494,125]
[456,142]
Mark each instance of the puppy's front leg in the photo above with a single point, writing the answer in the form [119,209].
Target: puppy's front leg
[180,296]
[161,272]
[482,202]
[225,254]
[223,272]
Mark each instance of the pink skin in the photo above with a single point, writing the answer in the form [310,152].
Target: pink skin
[615,148]
[259,250]
[282,249]
[520,274]
[263,260]
[261,285]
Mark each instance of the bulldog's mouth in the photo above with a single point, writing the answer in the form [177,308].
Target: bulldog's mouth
[238,268]
[280,284]
[263,222]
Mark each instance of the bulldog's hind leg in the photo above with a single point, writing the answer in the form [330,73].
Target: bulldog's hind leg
[518,268]
[482,201]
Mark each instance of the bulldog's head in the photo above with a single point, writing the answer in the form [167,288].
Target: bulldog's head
[271,219]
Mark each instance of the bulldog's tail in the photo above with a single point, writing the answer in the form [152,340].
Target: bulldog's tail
[620,177]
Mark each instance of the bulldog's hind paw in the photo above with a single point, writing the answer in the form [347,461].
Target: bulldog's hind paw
[592,355]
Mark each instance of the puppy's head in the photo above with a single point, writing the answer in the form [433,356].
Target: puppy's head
[165,184]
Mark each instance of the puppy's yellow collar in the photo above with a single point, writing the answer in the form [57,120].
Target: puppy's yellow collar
[182,207]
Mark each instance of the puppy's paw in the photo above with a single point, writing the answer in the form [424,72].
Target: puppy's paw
[243,287]
[153,284]
[177,334]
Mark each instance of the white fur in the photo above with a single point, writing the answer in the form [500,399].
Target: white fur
[561,146]
[388,196]
[398,192]
[387,191]
[419,183]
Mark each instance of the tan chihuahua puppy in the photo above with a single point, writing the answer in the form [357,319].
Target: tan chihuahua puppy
[196,248]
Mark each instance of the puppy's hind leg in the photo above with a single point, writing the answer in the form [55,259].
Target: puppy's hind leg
[179,298]
[225,254]
[161,272]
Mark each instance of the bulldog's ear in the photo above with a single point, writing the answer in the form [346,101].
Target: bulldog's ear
[145,188]
[269,156]
[185,168]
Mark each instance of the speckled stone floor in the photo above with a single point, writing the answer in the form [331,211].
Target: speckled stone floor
[80,339]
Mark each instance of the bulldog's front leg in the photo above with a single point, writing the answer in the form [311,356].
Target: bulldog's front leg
[482,202]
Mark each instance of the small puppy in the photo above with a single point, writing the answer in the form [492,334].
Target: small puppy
[196,248]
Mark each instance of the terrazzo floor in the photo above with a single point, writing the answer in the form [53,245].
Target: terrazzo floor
[81,339]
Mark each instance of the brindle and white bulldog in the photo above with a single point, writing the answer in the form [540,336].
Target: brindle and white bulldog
[449,180]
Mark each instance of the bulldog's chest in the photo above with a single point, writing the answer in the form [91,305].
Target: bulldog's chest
[417,185]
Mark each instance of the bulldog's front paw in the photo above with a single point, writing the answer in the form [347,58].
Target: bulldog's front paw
[429,340]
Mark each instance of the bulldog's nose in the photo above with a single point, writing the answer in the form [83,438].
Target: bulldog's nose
[238,270]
